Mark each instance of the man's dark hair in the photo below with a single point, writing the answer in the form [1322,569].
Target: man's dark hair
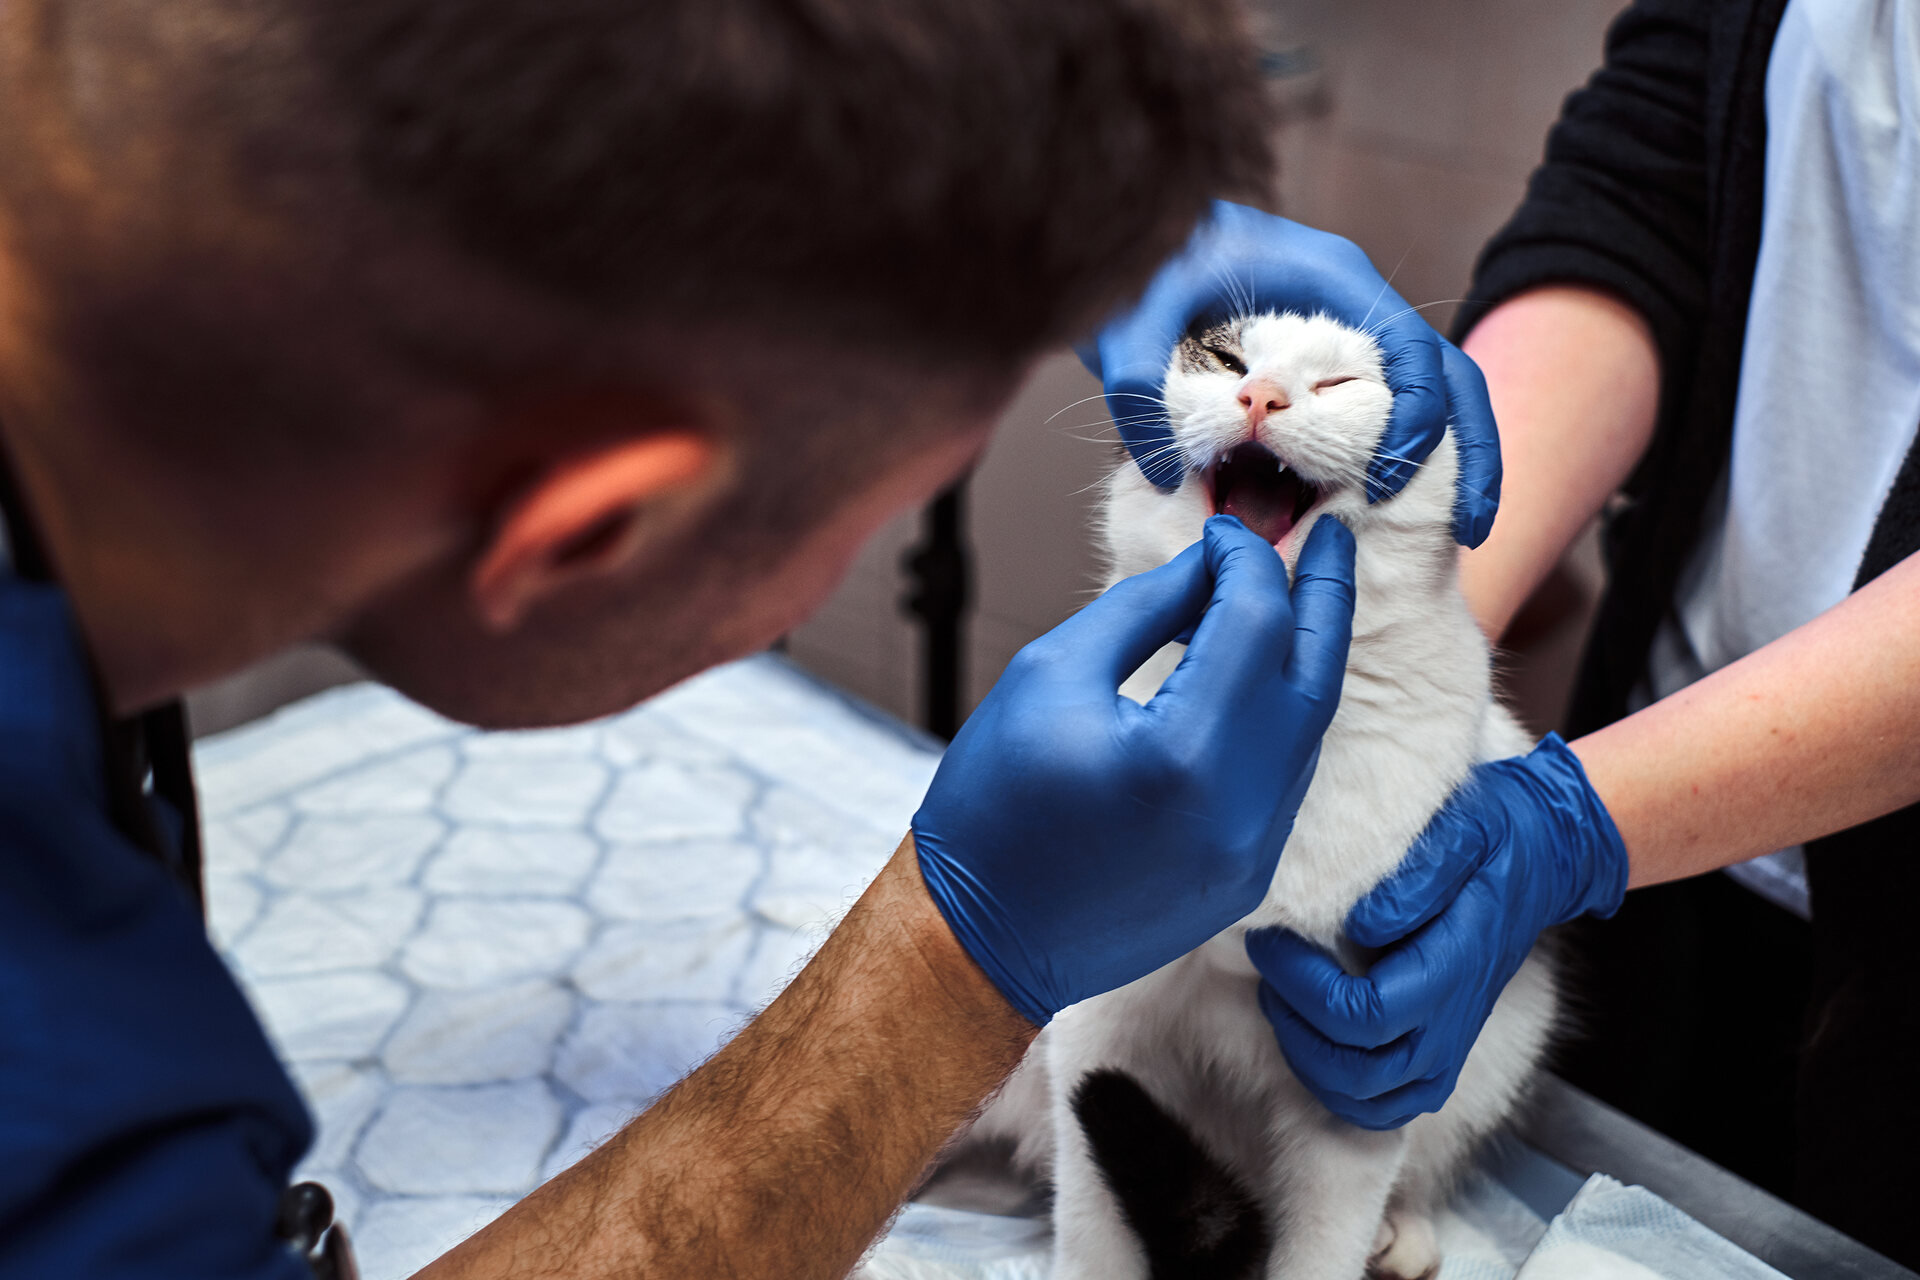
[971,178]
[249,223]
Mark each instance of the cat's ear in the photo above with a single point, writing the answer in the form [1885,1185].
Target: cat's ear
[587,515]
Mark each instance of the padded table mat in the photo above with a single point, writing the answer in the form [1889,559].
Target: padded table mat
[481,953]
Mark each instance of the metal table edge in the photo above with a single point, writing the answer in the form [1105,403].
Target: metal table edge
[1585,1134]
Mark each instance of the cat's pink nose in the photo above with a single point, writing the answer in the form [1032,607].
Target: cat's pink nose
[1259,398]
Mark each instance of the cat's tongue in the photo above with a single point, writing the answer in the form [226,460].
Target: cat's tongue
[1269,499]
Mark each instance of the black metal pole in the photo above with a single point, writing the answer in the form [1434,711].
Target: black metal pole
[941,573]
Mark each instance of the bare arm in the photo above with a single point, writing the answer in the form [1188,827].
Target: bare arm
[1814,733]
[788,1152]
[1575,384]
[1809,735]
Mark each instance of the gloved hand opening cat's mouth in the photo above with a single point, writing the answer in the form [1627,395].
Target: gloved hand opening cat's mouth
[1267,496]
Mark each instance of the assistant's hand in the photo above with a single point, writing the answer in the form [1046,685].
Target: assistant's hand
[1076,841]
[1523,846]
[1242,259]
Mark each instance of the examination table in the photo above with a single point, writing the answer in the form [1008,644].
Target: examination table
[482,953]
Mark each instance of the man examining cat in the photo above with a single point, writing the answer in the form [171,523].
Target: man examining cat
[540,356]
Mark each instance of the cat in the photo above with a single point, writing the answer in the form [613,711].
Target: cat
[1178,1141]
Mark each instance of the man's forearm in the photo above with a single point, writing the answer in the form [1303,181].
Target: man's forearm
[1814,733]
[1575,382]
[787,1153]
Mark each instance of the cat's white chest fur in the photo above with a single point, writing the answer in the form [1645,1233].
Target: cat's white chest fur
[1415,714]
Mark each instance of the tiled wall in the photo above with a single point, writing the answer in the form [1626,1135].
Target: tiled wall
[1429,114]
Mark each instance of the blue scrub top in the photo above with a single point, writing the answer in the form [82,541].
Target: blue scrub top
[146,1128]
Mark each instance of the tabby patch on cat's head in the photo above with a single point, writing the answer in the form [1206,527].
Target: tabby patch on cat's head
[1276,414]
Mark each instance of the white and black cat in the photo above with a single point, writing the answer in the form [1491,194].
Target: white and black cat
[1179,1143]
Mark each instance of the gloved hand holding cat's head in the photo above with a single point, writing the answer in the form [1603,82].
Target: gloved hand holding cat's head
[1243,261]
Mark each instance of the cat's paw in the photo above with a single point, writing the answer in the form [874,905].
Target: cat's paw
[1405,1249]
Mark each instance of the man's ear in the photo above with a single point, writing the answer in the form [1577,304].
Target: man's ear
[584,516]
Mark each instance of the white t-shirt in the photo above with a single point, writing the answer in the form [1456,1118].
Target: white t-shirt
[1829,396]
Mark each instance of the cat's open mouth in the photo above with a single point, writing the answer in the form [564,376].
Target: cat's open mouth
[1268,497]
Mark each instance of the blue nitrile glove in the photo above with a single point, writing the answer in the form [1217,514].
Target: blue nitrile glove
[1076,841]
[1523,846]
[1241,259]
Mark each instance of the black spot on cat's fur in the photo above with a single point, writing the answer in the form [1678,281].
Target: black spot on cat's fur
[1193,1218]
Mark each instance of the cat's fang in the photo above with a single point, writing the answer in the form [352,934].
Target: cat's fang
[1262,491]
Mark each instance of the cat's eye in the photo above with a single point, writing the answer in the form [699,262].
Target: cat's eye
[1324,383]
[1231,362]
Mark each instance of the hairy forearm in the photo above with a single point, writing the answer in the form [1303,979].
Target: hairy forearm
[1575,382]
[788,1152]
[1809,735]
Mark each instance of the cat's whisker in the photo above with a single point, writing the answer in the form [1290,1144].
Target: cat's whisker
[1146,459]
[1171,443]
[1075,405]
[1127,395]
[1410,308]
[1386,285]
[1437,302]
[1118,436]
[1239,292]
[1394,457]
[1110,421]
